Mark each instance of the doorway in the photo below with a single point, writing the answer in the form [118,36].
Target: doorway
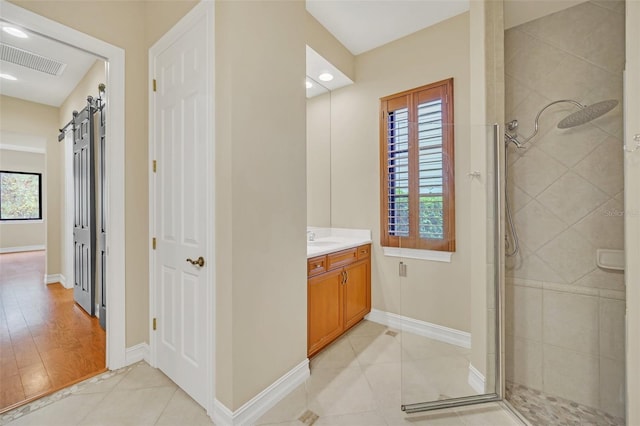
[114,159]
[48,341]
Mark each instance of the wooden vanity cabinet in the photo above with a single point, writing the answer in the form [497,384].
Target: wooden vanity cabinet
[338,294]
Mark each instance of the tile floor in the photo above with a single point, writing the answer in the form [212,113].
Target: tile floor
[47,342]
[135,395]
[362,379]
[354,382]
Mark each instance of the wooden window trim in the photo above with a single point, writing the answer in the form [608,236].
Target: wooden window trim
[412,98]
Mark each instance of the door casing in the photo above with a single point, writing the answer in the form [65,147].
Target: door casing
[203,8]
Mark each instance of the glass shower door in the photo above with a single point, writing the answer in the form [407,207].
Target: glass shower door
[448,298]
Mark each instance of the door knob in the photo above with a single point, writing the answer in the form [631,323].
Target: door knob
[199,261]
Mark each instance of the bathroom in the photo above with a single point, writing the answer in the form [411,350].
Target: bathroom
[452,297]
[564,310]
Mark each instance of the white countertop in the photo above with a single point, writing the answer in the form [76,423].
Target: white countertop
[329,240]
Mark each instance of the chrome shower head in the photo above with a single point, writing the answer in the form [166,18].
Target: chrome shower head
[583,116]
[587,113]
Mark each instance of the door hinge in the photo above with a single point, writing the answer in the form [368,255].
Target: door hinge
[153,243]
[154,323]
[155,165]
[154,85]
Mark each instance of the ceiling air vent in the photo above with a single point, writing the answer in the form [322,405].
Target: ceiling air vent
[30,60]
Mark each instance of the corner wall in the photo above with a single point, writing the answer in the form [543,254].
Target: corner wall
[260,196]
[40,121]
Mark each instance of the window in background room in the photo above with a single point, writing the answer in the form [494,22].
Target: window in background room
[416,142]
[20,196]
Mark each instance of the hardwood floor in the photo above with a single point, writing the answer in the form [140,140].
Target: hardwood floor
[47,342]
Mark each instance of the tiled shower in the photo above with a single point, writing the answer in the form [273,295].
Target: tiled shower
[564,314]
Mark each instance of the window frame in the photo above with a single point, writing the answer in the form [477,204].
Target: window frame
[411,99]
[29,219]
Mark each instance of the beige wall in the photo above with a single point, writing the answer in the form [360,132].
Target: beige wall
[567,198]
[261,196]
[487,106]
[22,234]
[133,26]
[319,160]
[434,292]
[327,46]
[19,116]
[88,86]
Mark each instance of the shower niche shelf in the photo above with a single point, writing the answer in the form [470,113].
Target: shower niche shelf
[610,259]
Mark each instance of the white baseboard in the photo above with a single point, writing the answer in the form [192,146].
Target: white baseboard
[421,328]
[251,411]
[55,278]
[21,249]
[137,353]
[476,380]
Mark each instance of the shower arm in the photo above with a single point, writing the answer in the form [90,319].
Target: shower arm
[512,127]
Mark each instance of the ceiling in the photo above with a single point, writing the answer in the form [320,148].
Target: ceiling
[362,25]
[37,86]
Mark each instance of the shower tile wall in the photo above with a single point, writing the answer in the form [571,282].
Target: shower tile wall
[565,316]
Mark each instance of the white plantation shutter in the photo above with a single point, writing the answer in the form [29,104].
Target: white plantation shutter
[430,169]
[417,200]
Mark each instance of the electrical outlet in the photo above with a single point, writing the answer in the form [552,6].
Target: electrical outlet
[402,269]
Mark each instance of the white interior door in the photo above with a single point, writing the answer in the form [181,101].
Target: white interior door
[180,186]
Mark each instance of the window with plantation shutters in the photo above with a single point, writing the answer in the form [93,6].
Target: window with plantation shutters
[417,193]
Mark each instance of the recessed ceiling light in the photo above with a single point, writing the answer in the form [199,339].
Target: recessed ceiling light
[325,76]
[8,77]
[308,84]
[15,32]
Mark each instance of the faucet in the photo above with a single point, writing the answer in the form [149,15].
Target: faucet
[311,236]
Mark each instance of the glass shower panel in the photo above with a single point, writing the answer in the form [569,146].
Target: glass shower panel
[448,299]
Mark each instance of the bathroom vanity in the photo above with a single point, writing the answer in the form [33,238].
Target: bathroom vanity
[338,287]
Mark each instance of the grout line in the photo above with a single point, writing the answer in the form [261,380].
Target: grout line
[92,411]
[567,52]
[166,405]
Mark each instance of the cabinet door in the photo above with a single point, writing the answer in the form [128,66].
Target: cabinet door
[325,310]
[357,292]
